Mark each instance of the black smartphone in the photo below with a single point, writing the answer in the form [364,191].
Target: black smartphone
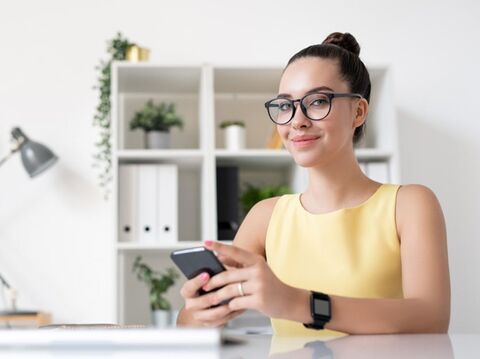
[193,261]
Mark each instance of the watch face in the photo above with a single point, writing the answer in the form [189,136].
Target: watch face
[321,307]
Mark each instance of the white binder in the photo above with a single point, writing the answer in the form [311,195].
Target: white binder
[147,206]
[127,203]
[167,204]
[148,203]
[378,171]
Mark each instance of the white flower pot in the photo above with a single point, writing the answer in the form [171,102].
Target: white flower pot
[162,318]
[234,137]
[157,139]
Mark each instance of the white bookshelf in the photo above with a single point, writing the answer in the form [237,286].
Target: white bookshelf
[204,96]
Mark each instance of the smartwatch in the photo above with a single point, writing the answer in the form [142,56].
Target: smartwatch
[320,310]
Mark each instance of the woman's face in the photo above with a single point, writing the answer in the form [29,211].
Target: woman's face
[313,143]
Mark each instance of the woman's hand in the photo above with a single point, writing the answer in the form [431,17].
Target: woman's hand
[198,311]
[251,284]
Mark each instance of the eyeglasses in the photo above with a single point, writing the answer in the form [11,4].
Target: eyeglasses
[315,106]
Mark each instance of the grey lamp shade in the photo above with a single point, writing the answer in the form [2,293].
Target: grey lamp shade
[36,157]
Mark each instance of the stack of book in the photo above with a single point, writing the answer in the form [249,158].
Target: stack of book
[23,319]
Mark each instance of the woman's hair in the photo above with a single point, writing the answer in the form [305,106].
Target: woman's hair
[344,48]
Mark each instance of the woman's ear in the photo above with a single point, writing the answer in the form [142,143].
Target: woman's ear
[360,113]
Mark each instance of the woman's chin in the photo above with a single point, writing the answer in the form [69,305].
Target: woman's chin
[305,159]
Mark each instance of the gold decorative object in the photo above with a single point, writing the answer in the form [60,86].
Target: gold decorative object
[275,141]
[136,53]
[144,54]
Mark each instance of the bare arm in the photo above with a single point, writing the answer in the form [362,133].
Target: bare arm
[253,231]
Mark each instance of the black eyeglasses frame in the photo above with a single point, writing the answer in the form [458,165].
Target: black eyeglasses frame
[330,95]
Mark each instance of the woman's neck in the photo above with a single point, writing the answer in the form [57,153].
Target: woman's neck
[338,184]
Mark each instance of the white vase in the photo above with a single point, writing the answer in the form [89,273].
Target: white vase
[161,318]
[157,139]
[234,137]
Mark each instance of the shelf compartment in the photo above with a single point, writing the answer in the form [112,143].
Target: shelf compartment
[254,171]
[145,77]
[133,294]
[240,94]
[133,84]
[186,105]
[189,205]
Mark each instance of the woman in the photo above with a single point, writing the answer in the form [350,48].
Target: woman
[349,254]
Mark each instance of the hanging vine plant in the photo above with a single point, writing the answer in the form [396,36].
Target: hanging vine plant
[117,50]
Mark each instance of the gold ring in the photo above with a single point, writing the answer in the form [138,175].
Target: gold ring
[240,289]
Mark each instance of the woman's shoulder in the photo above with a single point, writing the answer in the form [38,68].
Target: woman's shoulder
[416,202]
[413,193]
[264,208]
[252,231]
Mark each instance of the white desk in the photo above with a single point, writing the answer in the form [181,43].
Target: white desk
[435,346]
[265,346]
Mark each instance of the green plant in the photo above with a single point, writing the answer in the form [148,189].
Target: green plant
[157,282]
[116,48]
[253,194]
[227,123]
[156,117]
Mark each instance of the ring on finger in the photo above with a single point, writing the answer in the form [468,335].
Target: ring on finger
[240,289]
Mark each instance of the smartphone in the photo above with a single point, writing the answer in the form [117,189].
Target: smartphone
[193,261]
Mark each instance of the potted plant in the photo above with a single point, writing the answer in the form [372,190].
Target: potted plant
[158,284]
[234,134]
[253,194]
[117,49]
[156,120]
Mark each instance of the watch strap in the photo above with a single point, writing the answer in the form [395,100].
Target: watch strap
[318,319]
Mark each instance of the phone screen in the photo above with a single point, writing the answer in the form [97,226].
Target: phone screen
[193,261]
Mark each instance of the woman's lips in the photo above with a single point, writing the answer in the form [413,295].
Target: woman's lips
[301,142]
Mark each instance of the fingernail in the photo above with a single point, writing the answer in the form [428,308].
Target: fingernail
[208,243]
[204,276]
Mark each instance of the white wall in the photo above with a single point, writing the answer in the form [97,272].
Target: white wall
[55,231]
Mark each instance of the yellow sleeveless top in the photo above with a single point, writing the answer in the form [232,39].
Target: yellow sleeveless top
[351,252]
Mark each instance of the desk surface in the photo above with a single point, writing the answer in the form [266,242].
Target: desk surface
[439,346]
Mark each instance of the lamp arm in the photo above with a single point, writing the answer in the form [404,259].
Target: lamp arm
[7,157]
[4,282]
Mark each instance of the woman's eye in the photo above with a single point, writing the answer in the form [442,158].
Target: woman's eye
[285,106]
[318,102]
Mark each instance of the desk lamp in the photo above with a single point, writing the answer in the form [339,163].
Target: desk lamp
[36,158]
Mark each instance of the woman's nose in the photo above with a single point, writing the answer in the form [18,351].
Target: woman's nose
[299,120]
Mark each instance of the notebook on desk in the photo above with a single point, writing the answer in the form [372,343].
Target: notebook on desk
[112,338]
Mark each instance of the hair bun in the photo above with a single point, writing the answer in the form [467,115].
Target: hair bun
[345,40]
